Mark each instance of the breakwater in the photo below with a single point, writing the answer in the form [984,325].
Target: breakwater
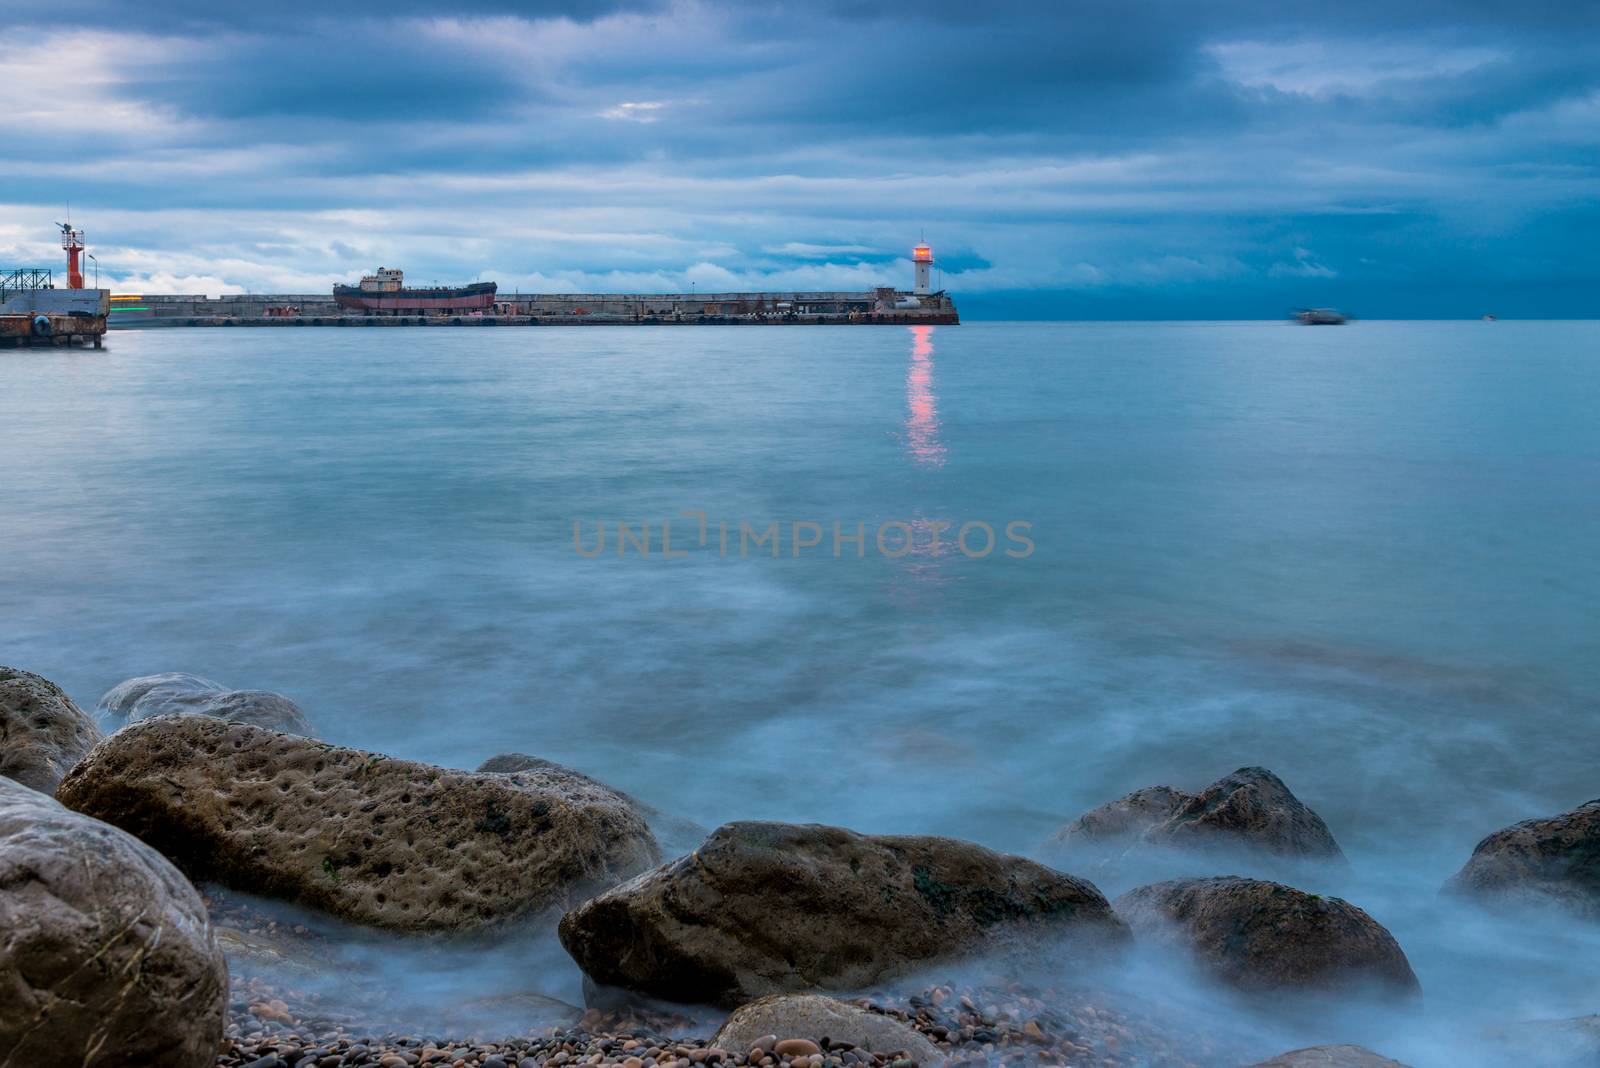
[884,306]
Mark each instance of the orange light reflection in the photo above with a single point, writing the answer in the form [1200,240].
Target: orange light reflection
[922,420]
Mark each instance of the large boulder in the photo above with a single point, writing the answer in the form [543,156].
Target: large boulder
[1251,809]
[1329,1057]
[816,1017]
[675,836]
[178,693]
[42,733]
[389,843]
[1264,937]
[1554,860]
[767,908]
[106,956]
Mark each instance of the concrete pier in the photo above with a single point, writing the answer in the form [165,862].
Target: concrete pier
[31,317]
[881,307]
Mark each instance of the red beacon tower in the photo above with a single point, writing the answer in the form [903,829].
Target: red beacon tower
[922,257]
[72,241]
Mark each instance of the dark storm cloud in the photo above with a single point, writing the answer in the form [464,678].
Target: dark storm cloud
[1111,153]
[288,17]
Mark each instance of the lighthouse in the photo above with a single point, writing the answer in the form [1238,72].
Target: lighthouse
[922,256]
[72,241]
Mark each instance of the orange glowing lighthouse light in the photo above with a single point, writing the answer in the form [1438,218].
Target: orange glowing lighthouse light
[72,241]
[922,257]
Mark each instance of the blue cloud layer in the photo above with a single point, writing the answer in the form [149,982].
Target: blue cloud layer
[1140,159]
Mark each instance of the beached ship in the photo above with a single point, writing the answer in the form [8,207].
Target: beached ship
[385,292]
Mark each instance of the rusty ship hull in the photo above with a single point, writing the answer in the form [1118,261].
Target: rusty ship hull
[470,298]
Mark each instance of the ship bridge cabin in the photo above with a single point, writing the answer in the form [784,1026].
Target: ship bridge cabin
[386,280]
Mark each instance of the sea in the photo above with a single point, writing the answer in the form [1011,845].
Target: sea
[967,581]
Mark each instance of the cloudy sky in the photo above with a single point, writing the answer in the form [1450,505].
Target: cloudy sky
[1073,159]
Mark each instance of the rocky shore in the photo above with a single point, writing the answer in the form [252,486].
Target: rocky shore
[945,1025]
[753,945]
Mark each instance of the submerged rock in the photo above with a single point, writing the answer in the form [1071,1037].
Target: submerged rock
[1116,824]
[42,733]
[154,695]
[259,708]
[1330,1057]
[389,843]
[1569,1043]
[1251,808]
[1265,937]
[674,835]
[766,908]
[1250,812]
[177,693]
[1554,860]
[106,955]
[523,1012]
[816,1017]
[266,950]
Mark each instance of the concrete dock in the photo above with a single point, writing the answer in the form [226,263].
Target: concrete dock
[31,317]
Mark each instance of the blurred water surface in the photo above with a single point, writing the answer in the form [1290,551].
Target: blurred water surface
[1363,557]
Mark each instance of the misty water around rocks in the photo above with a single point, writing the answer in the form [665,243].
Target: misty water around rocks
[1361,558]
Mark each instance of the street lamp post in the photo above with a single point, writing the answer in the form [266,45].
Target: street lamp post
[92,256]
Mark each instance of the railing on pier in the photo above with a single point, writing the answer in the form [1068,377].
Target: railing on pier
[24,278]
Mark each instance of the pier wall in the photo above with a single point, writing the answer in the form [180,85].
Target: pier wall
[301,309]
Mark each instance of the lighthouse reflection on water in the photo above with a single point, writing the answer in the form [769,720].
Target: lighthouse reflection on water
[922,406]
[922,569]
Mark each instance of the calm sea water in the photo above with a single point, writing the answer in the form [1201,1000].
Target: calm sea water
[1364,557]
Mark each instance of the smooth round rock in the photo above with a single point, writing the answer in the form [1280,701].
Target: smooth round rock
[796,1047]
[813,1017]
[1265,937]
[107,958]
[42,733]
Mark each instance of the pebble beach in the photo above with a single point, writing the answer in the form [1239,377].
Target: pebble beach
[970,1027]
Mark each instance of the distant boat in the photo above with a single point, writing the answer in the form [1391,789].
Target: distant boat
[1320,317]
[1490,318]
[386,292]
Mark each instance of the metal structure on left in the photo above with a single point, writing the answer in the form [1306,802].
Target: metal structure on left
[25,278]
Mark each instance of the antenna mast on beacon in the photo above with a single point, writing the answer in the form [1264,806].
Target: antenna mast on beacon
[72,241]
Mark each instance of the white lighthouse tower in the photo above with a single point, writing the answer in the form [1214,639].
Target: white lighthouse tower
[922,256]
